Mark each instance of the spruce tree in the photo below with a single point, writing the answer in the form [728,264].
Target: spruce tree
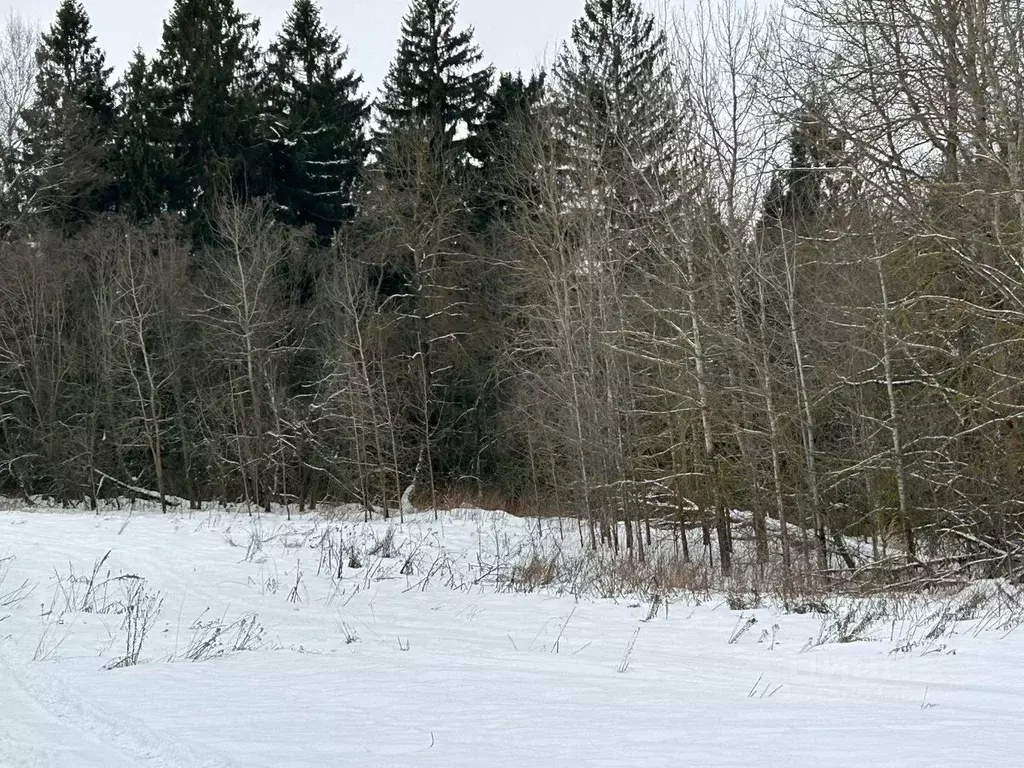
[509,119]
[208,73]
[435,84]
[317,122]
[618,112]
[800,193]
[141,160]
[68,130]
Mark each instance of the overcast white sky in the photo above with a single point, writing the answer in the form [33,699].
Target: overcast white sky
[514,34]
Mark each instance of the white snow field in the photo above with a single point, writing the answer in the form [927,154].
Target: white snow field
[258,655]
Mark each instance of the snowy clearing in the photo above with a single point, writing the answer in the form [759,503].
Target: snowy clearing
[254,653]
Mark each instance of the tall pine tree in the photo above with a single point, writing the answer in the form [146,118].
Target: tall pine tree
[435,84]
[208,73]
[618,112]
[141,158]
[509,119]
[317,123]
[68,130]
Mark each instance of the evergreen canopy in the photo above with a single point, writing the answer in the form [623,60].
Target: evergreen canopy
[208,71]
[618,112]
[68,128]
[141,143]
[316,122]
[436,83]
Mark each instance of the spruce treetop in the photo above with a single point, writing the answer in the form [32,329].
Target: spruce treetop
[208,72]
[72,66]
[509,120]
[141,142]
[67,131]
[208,48]
[315,122]
[436,82]
[306,52]
[618,110]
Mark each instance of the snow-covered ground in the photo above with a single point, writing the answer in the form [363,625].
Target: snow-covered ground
[258,654]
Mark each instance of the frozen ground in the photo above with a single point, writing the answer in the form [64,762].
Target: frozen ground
[422,657]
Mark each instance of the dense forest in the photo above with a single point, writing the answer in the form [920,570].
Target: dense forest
[719,260]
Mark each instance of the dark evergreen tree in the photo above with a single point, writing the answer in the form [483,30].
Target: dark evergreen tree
[800,193]
[509,119]
[317,123]
[141,148]
[68,130]
[208,72]
[618,112]
[417,215]
[436,84]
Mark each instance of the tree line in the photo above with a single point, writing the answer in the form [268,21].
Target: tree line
[724,265]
